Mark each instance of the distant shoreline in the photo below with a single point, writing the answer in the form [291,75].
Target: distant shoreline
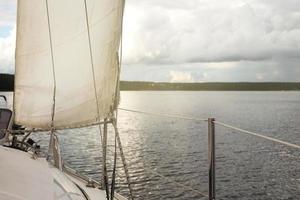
[7,84]
[210,86]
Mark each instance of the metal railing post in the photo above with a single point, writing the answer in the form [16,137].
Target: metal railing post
[211,158]
[104,150]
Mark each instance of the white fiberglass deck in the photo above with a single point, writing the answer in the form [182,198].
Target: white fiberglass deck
[25,178]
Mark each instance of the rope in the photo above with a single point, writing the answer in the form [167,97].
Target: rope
[50,147]
[54,84]
[165,115]
[53,68]
[92,65]
[91,57]
[104,173]
[258,135]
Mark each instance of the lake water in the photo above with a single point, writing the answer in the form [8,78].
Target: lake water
[246,167]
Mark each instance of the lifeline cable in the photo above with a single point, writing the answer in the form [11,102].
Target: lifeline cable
[258,135]
[166,115]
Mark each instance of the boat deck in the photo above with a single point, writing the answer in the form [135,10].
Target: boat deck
[24,177]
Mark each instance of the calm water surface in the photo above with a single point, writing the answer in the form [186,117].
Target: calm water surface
[246,167]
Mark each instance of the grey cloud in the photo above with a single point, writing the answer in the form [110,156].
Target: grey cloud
[286,6]
[174,4]
[216,31]
[202,40]
[243,71]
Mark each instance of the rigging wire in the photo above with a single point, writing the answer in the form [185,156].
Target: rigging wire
[114,123]
[53,68]
[92,65]
[121,54]
[186,118]
[172,116]
[216,122]
[257,135]
[117,95]
[154,173]
[123,160]
[166,115]
[52,131]
[104,173]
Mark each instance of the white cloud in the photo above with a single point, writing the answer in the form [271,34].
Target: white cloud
[7,30]
[7,13]
[178,76]
[180,31]
[7,52]
[198,40]
[221,65]
[259,76]
[212,40]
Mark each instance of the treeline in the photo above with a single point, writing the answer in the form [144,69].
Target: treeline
[217,86]
[7,84]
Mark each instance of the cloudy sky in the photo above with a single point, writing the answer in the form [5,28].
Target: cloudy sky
[197,40]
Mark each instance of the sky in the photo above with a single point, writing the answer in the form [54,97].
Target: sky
[197,40]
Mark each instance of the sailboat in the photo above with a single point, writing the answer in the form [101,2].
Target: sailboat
[66,77]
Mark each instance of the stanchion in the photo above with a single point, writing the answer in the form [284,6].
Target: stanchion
[211,158]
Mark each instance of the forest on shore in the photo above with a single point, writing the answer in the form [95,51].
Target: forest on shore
[7,84]
[212,86]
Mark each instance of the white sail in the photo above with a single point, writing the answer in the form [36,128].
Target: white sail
[64,80]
